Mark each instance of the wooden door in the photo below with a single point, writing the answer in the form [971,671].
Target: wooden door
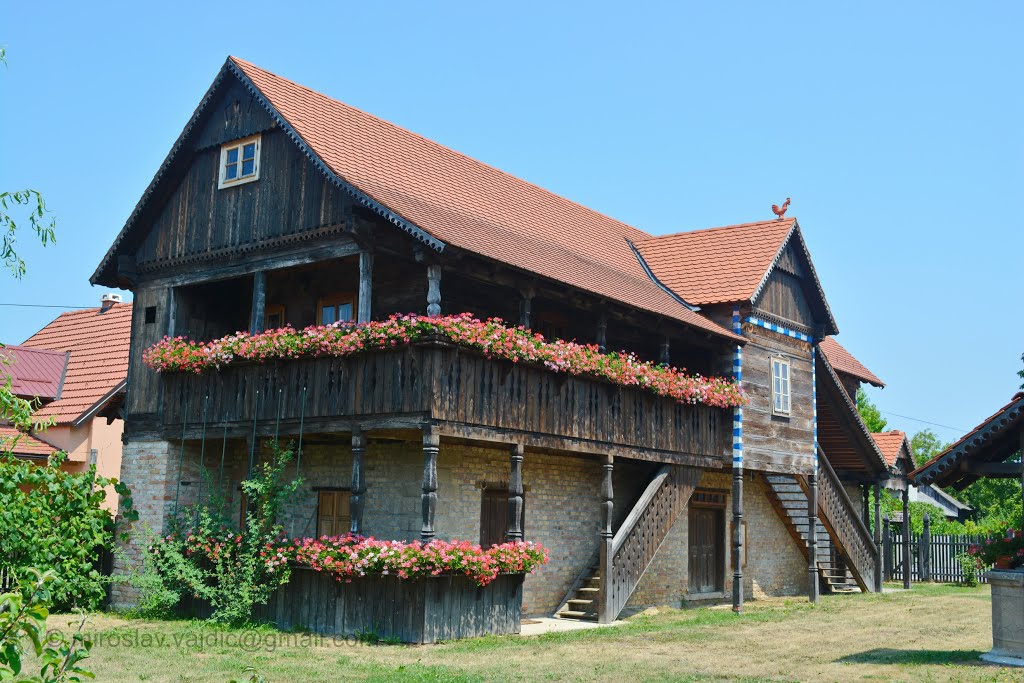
[706,550]
[493,516]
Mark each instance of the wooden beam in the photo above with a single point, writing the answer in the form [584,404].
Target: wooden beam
[993,470]
[433,290]
[358,481]
[906,539]
[606,534]
[365,287]
[602,332]
[878,537]
[813,578]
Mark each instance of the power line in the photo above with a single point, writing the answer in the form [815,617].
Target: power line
[45,306]
[934,424]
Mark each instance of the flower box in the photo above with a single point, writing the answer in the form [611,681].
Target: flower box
[385,607]
[1007,617]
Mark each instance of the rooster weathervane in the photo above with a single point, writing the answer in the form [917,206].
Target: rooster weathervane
[780,211]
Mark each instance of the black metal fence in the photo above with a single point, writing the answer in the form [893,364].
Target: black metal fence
[932,557]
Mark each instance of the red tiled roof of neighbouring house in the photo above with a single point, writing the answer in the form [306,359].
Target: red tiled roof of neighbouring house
[98,364]
[26,444]
[33,372]
[716,265]
[843,361]
[890,443]
[464,203]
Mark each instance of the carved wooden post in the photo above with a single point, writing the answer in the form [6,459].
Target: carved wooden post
[526,309]
[878,538]
[663,351]
[604,607]
[924,550]
[433,290]
[813,581]
[887,547]
[358,481]
[737,539]
[602,333]
[865,499]
[431,447]
[515,494]
[365,287]
[906,538]
[259,302]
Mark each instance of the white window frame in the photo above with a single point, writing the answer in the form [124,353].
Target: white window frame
[782,385]
[222,180]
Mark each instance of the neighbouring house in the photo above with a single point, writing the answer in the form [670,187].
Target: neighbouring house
[76,368]
[899,455]
[279,206]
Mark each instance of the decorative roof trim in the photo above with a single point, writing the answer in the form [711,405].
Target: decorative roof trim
[230,67]
[89,413]
[655,280]
[810,264]
[779,329]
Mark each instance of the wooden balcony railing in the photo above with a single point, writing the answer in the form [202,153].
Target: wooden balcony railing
[847,530]
[462,392]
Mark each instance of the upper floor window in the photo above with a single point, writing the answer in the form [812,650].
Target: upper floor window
[239,162]
[336,308]
[780,386]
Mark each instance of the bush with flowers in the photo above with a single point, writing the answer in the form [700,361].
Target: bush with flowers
[492,337]
[1003,550]
[348,557]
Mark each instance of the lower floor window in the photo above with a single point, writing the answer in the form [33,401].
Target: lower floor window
[494,518]
[333,513]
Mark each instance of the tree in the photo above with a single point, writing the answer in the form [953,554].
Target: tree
[869,413]
[926,445]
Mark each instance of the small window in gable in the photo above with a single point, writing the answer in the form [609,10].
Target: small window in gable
[239,162]
[780,386]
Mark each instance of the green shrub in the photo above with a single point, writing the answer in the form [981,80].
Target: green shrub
[969,566]
[207,557]
[53,520]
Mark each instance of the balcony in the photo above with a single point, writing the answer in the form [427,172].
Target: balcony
[461,393]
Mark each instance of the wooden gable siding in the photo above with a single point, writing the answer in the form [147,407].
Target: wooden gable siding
[290,198]
[772,443]
[785,294]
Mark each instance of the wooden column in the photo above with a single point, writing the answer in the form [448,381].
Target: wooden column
[526,309]
[906,538]
[887,548]
[431,447]
[737,539]
[434,290]
[515,494]
[259,302]
[924,550]
[358,481]
[365,287]
[1022,465]
[172,311]
[602,333]
[866,503]
[813,580]
[604,614]
[663,351]
[878,538]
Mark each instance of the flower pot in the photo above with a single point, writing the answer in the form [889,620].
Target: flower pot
[1003,562]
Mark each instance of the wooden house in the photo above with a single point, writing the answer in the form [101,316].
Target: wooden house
[75,369]
[279,205]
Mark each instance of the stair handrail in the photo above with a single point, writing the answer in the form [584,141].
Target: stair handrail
[641,504]
[845,526]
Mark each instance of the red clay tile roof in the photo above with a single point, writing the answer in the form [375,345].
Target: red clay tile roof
[26,445]
[890,443]
[471,205]
[98,343]
[33,372]
[843,361]
[716,265]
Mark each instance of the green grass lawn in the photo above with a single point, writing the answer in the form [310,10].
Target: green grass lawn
[933,633]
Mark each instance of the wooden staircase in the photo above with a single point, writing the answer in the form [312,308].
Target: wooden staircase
[603,587]
[788,496]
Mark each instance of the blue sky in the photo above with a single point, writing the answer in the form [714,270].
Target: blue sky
[895,127]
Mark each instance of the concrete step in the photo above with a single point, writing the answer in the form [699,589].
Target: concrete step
[576,614]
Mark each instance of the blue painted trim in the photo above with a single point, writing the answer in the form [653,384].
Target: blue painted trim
[737,412]
[778,328]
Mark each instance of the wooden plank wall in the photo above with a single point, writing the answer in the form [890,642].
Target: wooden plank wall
[773,443]
[144,384]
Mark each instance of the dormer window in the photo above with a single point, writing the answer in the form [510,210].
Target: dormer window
[239,162]
[780,386]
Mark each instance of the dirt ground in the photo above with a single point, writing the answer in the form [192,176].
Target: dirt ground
[932,633]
